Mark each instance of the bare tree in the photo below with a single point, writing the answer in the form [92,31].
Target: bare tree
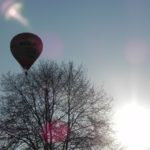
[51,93]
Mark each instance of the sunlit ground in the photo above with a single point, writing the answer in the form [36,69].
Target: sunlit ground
[133,127]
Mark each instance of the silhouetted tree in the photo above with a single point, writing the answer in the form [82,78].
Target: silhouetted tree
[51,93]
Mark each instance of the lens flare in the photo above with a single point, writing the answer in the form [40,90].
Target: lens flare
[12,10]
[53,46]
[55,131]
[136,51]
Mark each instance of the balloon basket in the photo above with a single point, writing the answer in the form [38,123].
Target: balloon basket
[25,72]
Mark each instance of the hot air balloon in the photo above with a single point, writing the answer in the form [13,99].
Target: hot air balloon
[26,48]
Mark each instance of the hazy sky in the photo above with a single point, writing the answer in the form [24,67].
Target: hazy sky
[110,37]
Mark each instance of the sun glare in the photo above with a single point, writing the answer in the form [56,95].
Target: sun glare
[133,127]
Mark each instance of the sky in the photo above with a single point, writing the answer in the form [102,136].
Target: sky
[111,38]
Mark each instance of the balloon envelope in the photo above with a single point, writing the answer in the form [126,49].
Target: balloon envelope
[26,48]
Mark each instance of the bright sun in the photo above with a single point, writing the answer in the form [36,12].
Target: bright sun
[133,127]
